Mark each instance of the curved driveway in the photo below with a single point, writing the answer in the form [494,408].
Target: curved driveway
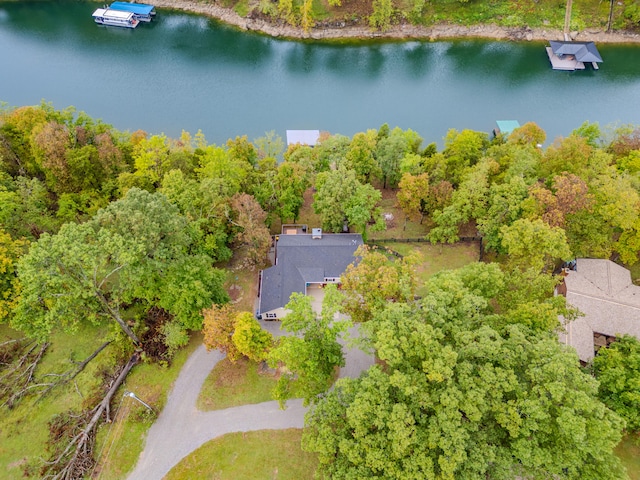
[181,427]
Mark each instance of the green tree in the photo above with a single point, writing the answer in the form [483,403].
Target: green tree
[414,195]
[361,156]
[250,339]
[455,398]
[380,18]
[391,150]
[534,244]
[376,280]
[341,198]
[205,204]
[133,250]
[10,251]
[312,354]
[291,183]
[361,209]
[617,368]
[504,207]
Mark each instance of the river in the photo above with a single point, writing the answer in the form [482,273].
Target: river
[185,72]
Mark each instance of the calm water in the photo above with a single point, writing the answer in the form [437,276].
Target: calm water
[187,72]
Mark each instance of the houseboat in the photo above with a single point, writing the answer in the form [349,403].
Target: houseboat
[116,18]
[141,11]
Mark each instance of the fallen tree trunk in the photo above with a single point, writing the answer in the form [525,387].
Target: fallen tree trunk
[71,374]
[76,460]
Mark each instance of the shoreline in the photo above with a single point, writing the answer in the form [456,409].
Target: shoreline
[396,32]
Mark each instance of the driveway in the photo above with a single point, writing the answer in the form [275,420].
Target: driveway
[181,427]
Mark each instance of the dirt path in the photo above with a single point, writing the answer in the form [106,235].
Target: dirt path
[436,32]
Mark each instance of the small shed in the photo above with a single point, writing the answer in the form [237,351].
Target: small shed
[505,127]
[303,137]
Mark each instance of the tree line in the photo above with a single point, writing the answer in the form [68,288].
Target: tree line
[95,222]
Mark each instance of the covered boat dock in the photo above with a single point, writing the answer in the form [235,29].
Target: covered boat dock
[505,127]
[571,56]
[303,137]
[141,11]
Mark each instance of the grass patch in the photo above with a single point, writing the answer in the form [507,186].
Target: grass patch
[628,450]
[120,443]
[266,454]
[231,385]
[396,228]
[24,430]
[436,258]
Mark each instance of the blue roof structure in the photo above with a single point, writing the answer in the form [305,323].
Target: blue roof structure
[136,8]
[507,126]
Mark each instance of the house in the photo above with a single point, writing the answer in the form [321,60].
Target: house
[610,302]
[303,262]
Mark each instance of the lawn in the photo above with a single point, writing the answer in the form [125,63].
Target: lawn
[629,452]
[435,258]
[230,385]
[263,454]
[24,429]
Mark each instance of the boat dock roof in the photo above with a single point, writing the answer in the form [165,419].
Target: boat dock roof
[137,8]
[109,13]
[303,137]
[572,55]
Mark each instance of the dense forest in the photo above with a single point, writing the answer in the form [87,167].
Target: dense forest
[129,234]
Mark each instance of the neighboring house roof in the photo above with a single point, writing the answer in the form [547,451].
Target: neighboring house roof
[303,137]
[302,260]
[583,51]
[603,291]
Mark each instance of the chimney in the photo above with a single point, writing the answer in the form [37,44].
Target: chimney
[316,233]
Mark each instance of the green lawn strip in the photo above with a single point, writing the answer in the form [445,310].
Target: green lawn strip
[120,443]
[264,454]
[24,429]
[231,385]
[629,452]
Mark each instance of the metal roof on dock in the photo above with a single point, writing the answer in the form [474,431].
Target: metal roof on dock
[137,8]
[585,52]
[303,137]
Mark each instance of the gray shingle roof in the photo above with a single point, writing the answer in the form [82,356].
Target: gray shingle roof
[301,259]
[603,291]
[583,51]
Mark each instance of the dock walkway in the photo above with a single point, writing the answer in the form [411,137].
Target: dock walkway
[567,62]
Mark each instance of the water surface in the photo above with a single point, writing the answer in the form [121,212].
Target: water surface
[188,72]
